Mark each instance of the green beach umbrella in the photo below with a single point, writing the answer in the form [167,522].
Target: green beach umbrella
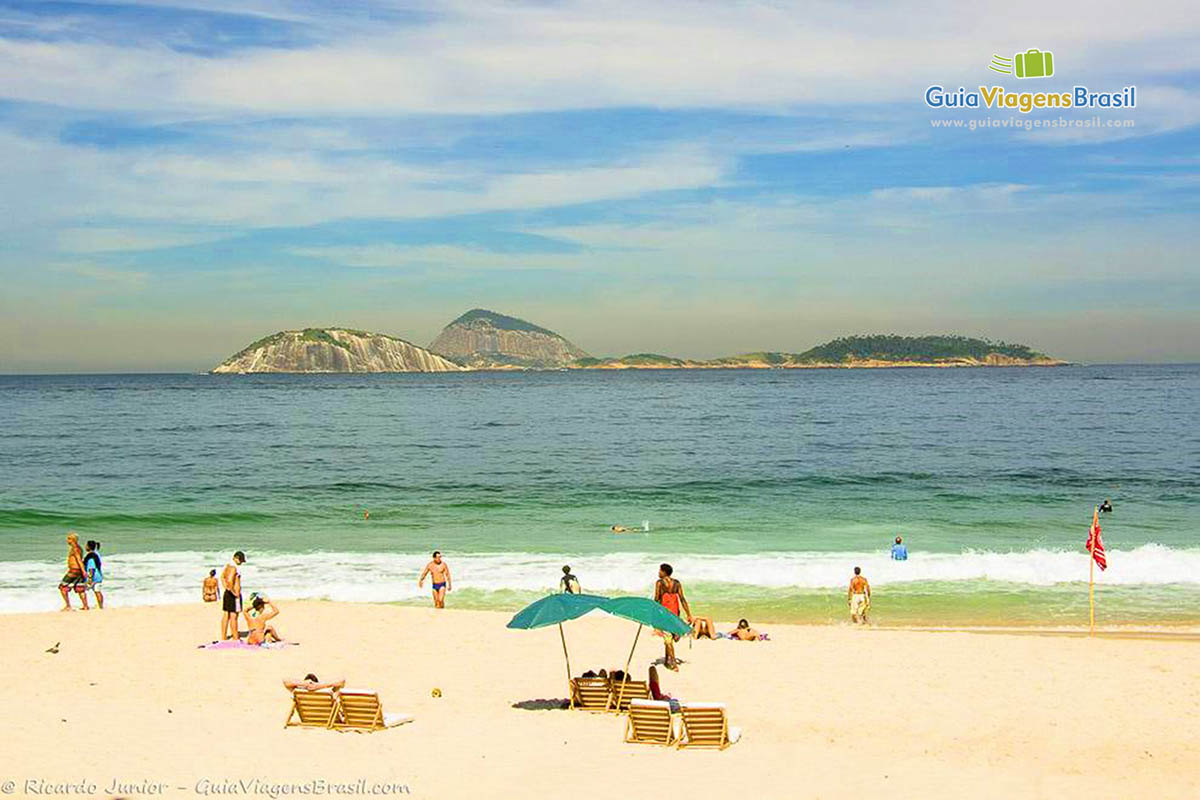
[555,609]
[645,611]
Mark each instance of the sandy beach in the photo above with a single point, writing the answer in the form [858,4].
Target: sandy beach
[130,704]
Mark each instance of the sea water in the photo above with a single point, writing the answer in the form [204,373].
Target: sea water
[763,488]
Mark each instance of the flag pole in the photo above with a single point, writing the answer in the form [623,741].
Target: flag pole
[1092,580]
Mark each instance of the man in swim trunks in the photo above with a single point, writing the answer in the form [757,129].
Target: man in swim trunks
[262,611]
[231,599]
[75,577]
[669,593]
[439,573]
[859,597]
[210,593]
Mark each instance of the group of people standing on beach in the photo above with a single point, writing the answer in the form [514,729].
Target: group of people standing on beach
[261,610]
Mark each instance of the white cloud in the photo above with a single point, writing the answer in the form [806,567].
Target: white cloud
[480,58]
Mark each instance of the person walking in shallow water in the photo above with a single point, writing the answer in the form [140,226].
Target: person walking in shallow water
[439,574]
[859,597]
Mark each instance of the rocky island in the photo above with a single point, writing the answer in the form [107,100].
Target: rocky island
[483,339]
[487,340]
[334,350]
[854,352]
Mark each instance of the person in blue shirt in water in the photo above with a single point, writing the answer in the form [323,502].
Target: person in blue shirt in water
[899,550]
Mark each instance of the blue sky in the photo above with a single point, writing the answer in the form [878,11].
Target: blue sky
[700,179]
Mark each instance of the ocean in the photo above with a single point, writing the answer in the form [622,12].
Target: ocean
[763,488]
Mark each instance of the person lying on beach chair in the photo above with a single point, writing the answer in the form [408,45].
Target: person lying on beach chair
[311,683]
[263,611]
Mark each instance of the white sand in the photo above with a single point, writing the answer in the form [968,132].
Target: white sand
[826,711]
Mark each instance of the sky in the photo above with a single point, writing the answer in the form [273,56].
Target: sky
[180,178]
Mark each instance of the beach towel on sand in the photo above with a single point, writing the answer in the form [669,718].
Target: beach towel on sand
[238,644]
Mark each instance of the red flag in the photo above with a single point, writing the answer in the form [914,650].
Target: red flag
[1095,545]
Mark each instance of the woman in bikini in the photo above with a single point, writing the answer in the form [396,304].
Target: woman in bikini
[669,593]
[75,578]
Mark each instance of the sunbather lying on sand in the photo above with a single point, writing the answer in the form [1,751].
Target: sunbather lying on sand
[744,633]
[257,618]
[312,684]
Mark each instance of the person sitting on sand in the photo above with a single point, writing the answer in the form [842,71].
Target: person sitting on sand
[210,587]
[263,610]
[702,627]
[859,597]
[744,633]
[439,574]
[312,684]
[569,583]
[76,576]
[899,550]
[95,573]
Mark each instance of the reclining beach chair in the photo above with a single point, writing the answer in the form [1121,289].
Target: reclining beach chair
[360,710]
[590,694]
[626,690]
[313,709]
[650,722]
[705,725]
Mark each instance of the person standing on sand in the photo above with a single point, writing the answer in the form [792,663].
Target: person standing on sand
[669,593]
[93,567]
[209,591]
[899,550]
[231,600]
[76,576]
[859,597]
[439,573]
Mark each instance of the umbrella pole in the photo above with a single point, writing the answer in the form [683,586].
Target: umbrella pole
[629,660]
[566,655]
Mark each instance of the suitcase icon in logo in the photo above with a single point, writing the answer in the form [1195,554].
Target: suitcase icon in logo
[1034,63]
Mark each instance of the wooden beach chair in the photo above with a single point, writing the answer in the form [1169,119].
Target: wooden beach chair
[312,709]
[360,710]
[705,725]
[650,723]
[625,691]
[590,694]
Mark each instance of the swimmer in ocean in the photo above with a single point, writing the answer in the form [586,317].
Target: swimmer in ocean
[622,529]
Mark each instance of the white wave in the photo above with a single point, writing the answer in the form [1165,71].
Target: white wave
[175,577]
